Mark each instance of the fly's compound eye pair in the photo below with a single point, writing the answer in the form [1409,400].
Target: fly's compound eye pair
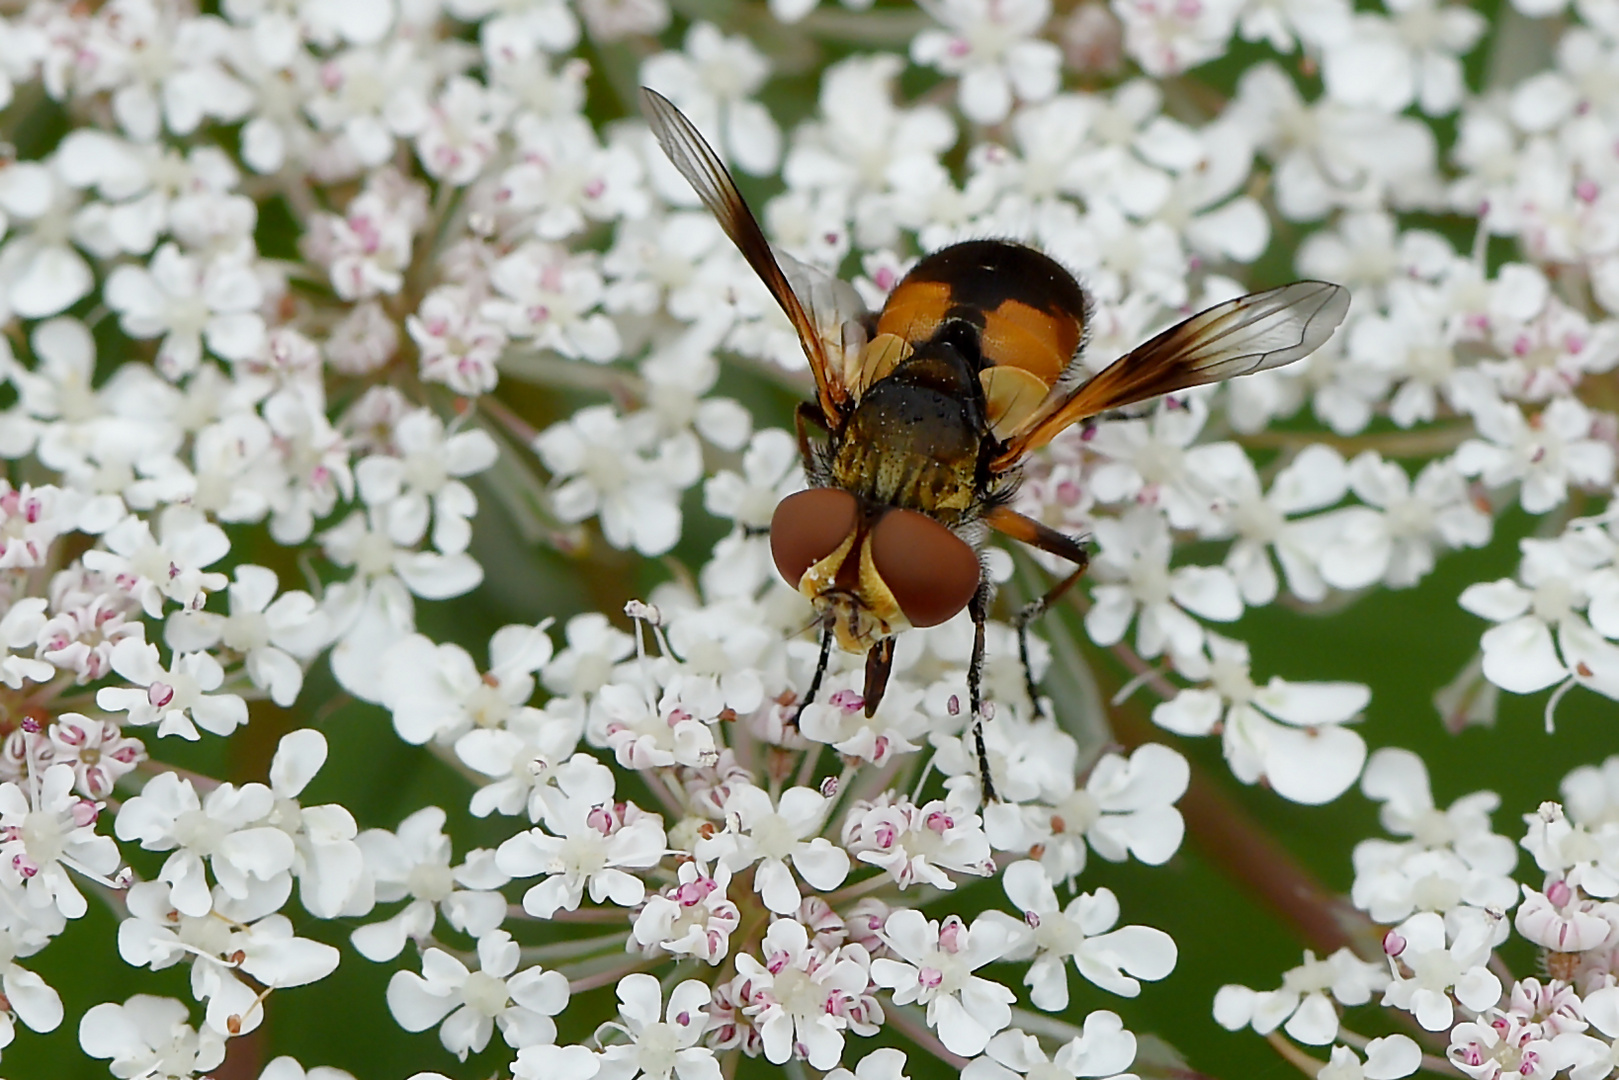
[931,572]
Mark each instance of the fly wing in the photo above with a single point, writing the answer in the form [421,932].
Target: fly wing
[703,169]
[1252,333]
[836,312]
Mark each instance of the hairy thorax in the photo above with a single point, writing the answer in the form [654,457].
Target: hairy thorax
[915,439]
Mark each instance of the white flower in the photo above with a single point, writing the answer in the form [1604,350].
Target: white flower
[437,691]
[1586,1056]
[1544,456]
[712,82]
[1113,959]
[172,567]
[1303,1006]
[233,937]
[458,346]
[916,844]
[1168,38]
[757,832]
[1126,808]
[270,637]
[935,969]
[1290,734]
[616,467]
[994,49]
[149,1036]
[520,755]
[223,829]
[1135,551]
[1414,55]
[332,877]
[1394,544]
[1451,855]
[471,1003]
[692,918]
[1520,653]
[413,864]
[658,1047]
[425,474]
[190,303]
[548,294]
[1103,1049]
[1388,1058]
[46,831]
[361,540]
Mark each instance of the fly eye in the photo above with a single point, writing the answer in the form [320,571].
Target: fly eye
[931,571]
[807,527]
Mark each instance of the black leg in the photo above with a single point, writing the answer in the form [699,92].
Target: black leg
[978,608]
[1032,611]
[820,668]
[1018,527]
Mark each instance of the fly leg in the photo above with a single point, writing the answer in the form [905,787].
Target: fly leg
[820,669]
[1031,532]
[978,608]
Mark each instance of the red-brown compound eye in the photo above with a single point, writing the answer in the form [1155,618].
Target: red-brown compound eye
[931,571]
[807,527]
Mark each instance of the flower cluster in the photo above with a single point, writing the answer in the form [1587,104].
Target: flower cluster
[315,318]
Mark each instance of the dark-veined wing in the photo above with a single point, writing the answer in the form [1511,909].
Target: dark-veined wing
[1239,337]
[706,173]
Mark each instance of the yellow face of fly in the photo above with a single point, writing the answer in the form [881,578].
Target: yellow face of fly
[862,608]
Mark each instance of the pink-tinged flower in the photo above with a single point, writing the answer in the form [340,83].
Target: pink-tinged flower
[663,1040]
[177,699]
[587,841]
[802,997]
[1430,963]
[46,831]
[97,751]
[935,969]
[917,844]
[694,917]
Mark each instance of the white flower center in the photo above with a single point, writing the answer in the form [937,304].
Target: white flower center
[426,472]
[581,855]
[1436,893]
[245,631]
[194,829]
[1433,829]
[1435,970]
[42,835]
[430,881]
[484,993]
[1311,977]
[656,1048]
[774,837]
[1410,518]
[486,707]
[798,994]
